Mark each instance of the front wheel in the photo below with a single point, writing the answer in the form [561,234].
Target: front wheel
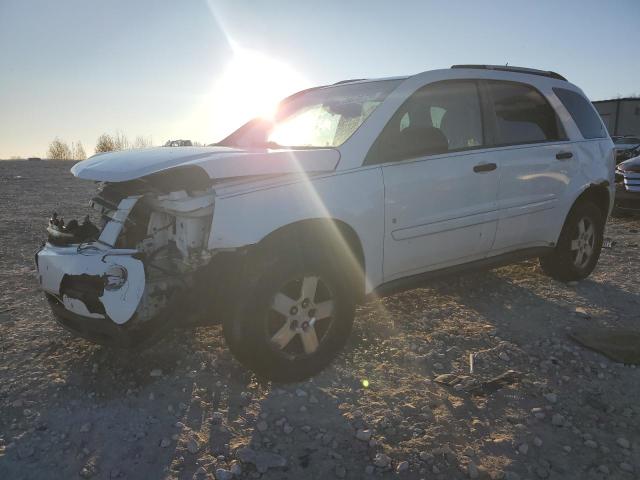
[579,245]
[293,316]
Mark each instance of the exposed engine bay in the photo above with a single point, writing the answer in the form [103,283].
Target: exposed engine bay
[150,242]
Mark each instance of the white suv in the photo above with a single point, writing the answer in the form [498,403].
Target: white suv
[358,188]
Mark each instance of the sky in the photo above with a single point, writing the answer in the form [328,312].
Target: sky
[197,69]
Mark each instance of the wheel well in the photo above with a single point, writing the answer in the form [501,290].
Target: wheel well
[331,233]
[598,194]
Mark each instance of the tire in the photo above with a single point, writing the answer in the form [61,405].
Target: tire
[578,249]
[277,329]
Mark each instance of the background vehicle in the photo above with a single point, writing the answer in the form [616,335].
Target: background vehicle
[625,147]
[358,188]
[628,185]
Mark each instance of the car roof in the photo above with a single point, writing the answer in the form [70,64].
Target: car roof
[496,68]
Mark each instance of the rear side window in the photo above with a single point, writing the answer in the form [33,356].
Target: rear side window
[522,114]
[582,112]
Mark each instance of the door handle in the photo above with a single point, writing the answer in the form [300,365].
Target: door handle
[484,167]
[564,155]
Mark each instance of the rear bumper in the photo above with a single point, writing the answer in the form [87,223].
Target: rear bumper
[92,281]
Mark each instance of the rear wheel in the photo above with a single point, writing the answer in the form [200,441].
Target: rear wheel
[294,314]
[579,245]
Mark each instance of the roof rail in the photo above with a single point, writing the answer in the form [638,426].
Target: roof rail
[506,68]
[349,81]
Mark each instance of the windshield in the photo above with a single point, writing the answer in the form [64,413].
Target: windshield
[320,117]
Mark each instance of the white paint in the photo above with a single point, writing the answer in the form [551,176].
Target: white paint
[120,305]
[217,162]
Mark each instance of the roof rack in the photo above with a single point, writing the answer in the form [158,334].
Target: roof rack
[506,68]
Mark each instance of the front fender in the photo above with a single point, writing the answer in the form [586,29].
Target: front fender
[355,198]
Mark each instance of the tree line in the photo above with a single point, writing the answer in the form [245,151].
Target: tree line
[61,150]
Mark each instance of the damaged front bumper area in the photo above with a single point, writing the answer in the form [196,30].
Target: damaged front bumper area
[130,279]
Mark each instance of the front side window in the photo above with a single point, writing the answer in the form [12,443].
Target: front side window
[582,112]
[522,114]
[440,117]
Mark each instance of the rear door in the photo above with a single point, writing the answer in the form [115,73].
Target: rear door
[440,185]
[536,163]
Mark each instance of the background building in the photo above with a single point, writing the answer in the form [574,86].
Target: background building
[621,115]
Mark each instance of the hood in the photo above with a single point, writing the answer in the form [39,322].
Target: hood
[217,162]
[631,165]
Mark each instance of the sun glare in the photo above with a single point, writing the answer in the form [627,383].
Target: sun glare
[251,86]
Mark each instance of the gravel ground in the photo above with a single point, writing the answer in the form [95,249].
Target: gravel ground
[186,409]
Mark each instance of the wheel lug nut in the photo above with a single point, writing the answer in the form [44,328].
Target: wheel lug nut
[305,303]
[293,311]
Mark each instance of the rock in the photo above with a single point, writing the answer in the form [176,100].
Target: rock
[201,472]
[25,451]
[300,393]
[537,441]
[623,442]
[85,427]
[402,467]
[447,379]
[263,461]
[364,435]
[287,429]
[523,449]
[217,417]
[236,469]
[503,356]
[381,460]
[511,476]
[542,472]
[581,313]
[472,470]
[313,399]
[262,426]
[626,467]
[89,470]
[590,443]
[551,397]
[340,471]
[426,457]
[165,442]
[604,469]
[369,469]
[193,446]
[557,419]
[156,372]
[222,474]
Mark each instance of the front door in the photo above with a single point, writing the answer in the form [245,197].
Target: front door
[440,185]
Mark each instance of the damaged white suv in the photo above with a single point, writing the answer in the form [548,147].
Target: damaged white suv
[358,188]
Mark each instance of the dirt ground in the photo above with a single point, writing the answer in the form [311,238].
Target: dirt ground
[186,409]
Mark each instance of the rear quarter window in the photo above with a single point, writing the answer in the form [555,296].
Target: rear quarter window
[582,112]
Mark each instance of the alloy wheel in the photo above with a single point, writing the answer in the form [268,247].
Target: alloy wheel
[300,316]
[582,245]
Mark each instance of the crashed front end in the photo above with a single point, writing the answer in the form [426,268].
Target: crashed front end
[130,277]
